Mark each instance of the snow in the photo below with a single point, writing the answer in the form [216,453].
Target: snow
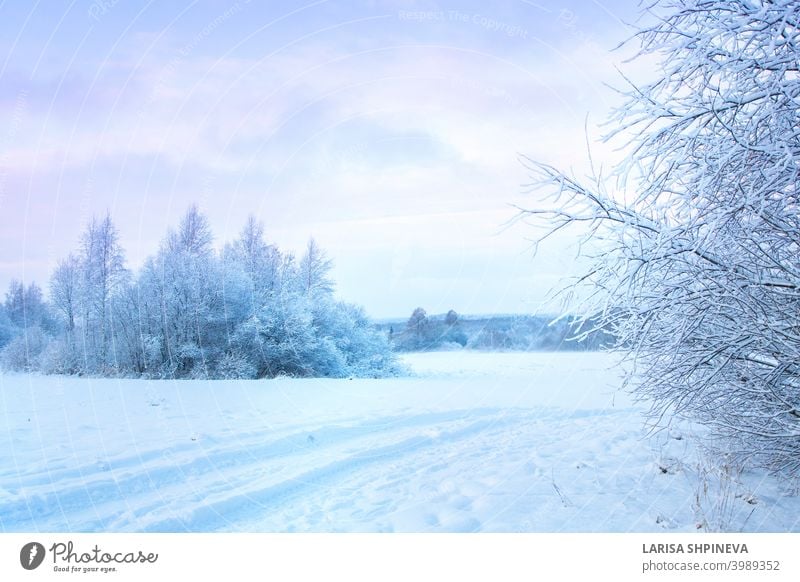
[469,442]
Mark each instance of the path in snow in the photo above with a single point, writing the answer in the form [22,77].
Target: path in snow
[473,442]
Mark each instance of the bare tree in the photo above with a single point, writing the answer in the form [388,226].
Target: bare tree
[699,229]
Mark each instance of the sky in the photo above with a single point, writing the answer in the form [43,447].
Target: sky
[388,130]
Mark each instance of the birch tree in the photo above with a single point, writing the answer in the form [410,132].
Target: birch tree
[103,270]
[189,293]
[64,291]
[314,271]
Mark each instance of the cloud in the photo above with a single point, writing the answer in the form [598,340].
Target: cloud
[353,124]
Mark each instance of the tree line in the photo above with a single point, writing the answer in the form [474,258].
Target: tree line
[247,311]
[424,332]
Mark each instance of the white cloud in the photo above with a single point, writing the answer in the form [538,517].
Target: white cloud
[383,147]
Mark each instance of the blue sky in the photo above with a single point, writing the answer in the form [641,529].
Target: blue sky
[388,130]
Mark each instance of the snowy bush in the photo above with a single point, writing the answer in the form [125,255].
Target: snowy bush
[235,366]
[22,353]
[151,351]
[280,338]
[58,357]
[364,350]
[494,339]
[7,329]
[699,273]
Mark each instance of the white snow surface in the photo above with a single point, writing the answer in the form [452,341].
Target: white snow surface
[470,442]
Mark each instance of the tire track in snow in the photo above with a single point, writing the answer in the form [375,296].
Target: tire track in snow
[234,505]
[76,499]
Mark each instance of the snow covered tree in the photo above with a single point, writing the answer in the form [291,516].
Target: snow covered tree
[418,334]
[25,306]
[251,312]
[128,325]
[15,303]
[187,292]
[452,332]
[259,260]
[64,291]
[65,296]
[23,352]
[25,323]
[365,351]
[250,278]
[153,309]
[699,268]
[6,327]
[314,271]
[103,272]
[280,339]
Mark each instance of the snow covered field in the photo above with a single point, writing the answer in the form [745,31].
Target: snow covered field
[472,442]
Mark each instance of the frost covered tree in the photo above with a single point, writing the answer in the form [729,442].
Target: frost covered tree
[257,260]
[452,332]
[418,333]
[103,273]
[24,351]
[25,325]
[15,303]
[190,312]
[6,327]
[64,291]
[65,296]
[25,306]
[700,228]
[314,271]
[186,287]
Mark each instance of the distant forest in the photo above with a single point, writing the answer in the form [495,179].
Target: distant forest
[423,332]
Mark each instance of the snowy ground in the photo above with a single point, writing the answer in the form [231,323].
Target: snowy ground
[473,442]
